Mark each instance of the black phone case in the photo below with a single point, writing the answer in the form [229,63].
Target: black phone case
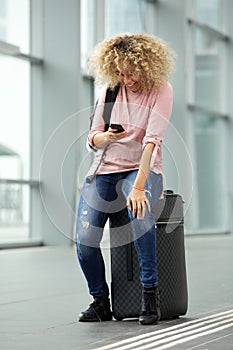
[119,127]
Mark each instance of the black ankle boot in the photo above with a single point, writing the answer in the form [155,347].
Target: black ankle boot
[98,311]
[150,313]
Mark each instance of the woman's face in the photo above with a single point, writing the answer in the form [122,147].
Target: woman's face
[130,80]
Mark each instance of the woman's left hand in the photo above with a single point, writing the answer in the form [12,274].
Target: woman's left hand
[137,202]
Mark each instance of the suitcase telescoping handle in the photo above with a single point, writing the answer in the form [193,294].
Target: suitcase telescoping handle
[168,192]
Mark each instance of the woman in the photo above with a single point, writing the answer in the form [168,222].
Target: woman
[141,65]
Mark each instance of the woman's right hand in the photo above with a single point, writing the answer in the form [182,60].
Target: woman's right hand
[103,138]
[114,136]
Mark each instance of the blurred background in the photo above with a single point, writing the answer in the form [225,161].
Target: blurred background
[44,45]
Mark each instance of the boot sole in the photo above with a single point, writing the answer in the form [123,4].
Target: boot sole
[110,319]
[94,319]
[149,321]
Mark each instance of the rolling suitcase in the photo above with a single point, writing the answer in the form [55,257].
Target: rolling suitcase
[126,289]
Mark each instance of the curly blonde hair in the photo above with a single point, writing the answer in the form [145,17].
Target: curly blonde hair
[140,54]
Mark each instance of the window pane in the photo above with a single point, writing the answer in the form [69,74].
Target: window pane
[208,11]
[87,30]
[14,213]
[207,70]
[15,119]
[209,140]
[15,23]
[126,16]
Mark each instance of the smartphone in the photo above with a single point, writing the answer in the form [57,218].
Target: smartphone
[118,127]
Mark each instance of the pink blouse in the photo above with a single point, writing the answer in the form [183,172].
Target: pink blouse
[145,117]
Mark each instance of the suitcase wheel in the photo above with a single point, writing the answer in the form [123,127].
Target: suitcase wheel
[174,317]
[118,318]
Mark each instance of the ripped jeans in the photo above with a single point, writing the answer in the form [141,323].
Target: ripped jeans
[100,198]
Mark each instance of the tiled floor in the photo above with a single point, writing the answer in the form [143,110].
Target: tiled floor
[42,291]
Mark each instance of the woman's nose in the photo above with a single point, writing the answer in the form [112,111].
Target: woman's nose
[127,79]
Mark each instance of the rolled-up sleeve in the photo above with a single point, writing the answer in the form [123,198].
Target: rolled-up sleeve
[98,124]
[159,119]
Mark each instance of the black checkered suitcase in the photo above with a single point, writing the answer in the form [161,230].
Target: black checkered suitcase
[125,286]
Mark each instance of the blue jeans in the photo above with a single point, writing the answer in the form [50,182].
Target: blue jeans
[100,198]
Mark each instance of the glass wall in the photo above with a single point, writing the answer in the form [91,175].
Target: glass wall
[15,122]
[15,23]
[210,134]
[208,51]
[209,11]
[125,16]
[87,37]
[208,125]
